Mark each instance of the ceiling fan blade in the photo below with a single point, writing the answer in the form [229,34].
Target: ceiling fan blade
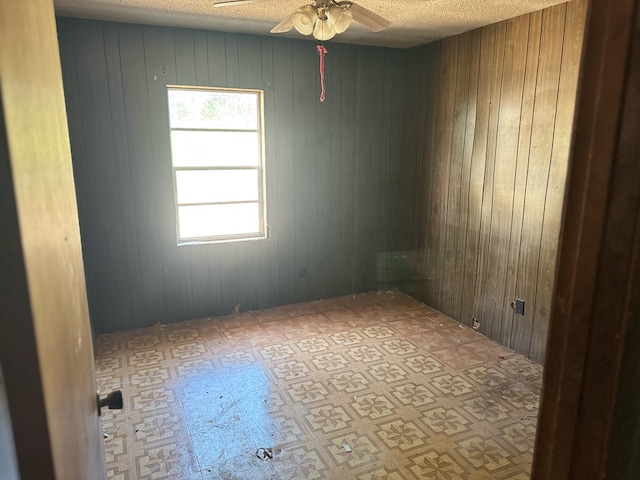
[285,25]
[367,18]
[230,3]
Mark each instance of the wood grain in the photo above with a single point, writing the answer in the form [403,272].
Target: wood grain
[492,61]
[495,305]
[492,169]
[618,313]
[423,218]
[466,253]
[458,181]
[588,424]
[522,167]
[473,255]
[446,113]
[571,56]
[542,140]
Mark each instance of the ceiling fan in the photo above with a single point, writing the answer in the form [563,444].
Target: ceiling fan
[323,18]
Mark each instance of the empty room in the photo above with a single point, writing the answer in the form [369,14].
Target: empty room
[306,241]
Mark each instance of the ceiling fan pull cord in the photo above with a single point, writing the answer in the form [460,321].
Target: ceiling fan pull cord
[322,52]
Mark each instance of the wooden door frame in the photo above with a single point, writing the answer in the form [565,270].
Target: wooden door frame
[595,284]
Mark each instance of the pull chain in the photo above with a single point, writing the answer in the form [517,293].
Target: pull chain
[322,51]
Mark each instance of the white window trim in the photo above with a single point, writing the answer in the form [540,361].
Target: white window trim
[263,233]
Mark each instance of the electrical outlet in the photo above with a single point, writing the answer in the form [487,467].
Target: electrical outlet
[519,307]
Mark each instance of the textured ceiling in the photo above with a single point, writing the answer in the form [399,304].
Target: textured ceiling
[414,22]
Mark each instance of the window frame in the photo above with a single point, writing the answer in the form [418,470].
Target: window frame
[262,233]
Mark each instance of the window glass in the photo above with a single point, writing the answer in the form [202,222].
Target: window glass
[207,220]
[211,186]
[218,174]
[194,148]
[209,109]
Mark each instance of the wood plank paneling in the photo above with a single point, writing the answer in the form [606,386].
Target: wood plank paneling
[269,124]
[106,208]
[542,139]
[145,193]
[453,246]
[391,201]
[409,158]
[8,458]
[440,191]
[304,167]
[424,219]
[509,118]
[324,144]
[477,179]
[122,164]
[570,63]
[493,62]
[466,253]
[493,170]
[283,236]
[81,174]
[253,272]
[161,69]
[326,170]
[333,73]
[346,243]
[522,165]
[368,166]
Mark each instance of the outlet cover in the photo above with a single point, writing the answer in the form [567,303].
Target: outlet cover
[519,308]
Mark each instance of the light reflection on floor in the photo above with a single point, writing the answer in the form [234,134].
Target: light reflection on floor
[372,386]
[227,416]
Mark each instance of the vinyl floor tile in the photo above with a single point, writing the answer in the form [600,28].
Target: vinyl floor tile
[356,388]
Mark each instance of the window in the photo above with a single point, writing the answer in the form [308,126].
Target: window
[217,158]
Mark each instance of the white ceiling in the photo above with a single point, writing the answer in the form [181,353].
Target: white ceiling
[414,22]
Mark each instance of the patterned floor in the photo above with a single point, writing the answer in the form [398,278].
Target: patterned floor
[375,386]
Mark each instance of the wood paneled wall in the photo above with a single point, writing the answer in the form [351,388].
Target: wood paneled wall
[7,447]
[489,117]
[331,170]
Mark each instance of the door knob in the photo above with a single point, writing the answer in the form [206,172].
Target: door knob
[112,401]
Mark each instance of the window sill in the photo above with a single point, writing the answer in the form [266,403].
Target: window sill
[190,243]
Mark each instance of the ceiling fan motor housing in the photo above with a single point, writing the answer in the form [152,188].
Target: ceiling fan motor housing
[324,19]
